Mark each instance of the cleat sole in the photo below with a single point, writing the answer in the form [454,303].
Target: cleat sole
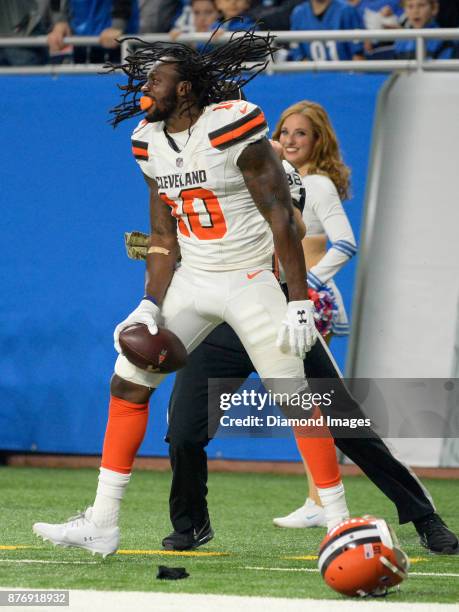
[103,554]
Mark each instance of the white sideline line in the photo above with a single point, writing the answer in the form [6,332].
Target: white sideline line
[314,569]
[432,574]
[259,569]
[122,601]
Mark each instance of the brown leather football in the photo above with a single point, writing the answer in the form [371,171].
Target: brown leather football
[163,352]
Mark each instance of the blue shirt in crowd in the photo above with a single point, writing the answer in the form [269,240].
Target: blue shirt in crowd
[337,16]
[244,22]
[377,5]
[435,49]
[234,25]
[91,17]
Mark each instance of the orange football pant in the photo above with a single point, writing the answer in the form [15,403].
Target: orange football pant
[126,426]
[317,449]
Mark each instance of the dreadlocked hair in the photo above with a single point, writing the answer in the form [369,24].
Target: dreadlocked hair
[215,72]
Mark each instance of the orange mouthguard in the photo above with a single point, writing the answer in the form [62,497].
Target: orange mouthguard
[145,103]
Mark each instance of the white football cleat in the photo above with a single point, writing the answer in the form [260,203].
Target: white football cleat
[80,532]
[309,515]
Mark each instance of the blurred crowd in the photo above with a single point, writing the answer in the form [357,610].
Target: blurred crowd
[111,20]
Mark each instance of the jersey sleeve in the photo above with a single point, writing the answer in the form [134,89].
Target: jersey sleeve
[236,124]
[324,200]
[139,147]
[297,190]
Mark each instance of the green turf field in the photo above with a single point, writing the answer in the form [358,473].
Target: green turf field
[241,505]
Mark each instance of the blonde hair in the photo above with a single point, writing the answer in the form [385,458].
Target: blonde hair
[325,157]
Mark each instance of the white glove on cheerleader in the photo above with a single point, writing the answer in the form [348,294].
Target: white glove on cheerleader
[298,331]
[147,313]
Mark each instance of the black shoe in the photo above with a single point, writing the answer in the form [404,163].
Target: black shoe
[435,535]
[187,540]
[179,540]
[204,535]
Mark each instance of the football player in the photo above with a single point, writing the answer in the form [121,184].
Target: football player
[218,193]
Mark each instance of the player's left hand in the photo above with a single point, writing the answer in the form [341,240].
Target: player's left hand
[147,313]
[298,332]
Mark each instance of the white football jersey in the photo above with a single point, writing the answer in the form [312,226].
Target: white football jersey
[219,225]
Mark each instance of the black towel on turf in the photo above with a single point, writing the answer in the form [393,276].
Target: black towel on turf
[171,573]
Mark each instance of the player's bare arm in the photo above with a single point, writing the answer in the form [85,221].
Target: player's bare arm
[267,183]
[299,223]
[162,255]
[163,249]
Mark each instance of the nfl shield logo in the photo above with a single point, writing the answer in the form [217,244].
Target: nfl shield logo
[179,162]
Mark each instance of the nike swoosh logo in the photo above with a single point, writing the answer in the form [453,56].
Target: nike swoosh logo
[250,276]
[201,538]
[243,110]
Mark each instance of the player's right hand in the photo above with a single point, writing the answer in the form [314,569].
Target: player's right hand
[298,333]
[147,313]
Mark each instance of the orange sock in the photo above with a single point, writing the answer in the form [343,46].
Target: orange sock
[126,426]
[319,453]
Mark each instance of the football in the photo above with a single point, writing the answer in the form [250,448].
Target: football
[163,352]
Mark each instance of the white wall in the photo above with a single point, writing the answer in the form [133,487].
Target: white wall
[405,320]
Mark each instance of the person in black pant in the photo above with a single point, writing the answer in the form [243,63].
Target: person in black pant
[222,355]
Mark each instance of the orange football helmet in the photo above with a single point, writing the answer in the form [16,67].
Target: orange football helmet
[361,557]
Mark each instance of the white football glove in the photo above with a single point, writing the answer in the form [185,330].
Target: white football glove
[298,331]
[147,313]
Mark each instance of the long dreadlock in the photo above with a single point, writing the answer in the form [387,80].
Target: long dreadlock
[215,72]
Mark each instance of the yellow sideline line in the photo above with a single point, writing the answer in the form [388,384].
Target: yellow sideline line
[315,557]
[190,553]
[16,547]
[173,553]
[315,569]
[303,558]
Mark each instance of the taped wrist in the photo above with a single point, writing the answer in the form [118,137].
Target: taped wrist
[159,250]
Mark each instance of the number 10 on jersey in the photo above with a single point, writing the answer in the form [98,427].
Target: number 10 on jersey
[205,225]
